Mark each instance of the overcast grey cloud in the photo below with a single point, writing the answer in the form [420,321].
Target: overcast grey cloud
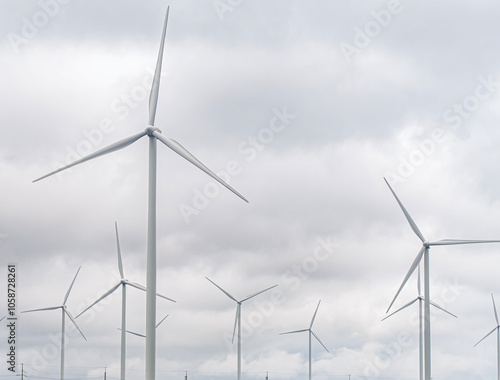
[304,106]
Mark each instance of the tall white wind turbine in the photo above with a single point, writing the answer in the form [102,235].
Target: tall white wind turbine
[123,282]
[310,333]
[153,134]
[498,336]
[420,300]
[237,321]
[65,312]
[424,252]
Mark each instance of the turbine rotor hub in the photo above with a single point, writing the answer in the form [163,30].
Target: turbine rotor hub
[150,129]
[426,244]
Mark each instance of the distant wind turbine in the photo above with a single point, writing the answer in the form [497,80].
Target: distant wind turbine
[310,333]
[65,312]
[141,335]
[237,321]
[153,134]
[498,336]
[123,282]
[420,300]
[424,252]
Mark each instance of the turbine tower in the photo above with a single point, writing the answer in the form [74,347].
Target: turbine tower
[123,282]
[153,134]
[65,312]
[498,336]
[237,321]
[310,333]
[420,300]
[424,252]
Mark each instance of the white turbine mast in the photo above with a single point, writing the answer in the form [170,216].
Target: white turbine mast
[310,333]
[237,321]
[424,252]
[153,134]
[497,329]
[123,282]
[65,312]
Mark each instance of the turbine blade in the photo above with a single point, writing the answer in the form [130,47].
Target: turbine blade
[71,286]
[456,242]
[407,215]
[495,309]
[101,298]
[120,264]
[487,335]
[416,262]
[440,308]
[135,285]
[101,152]
[74,322]
[166,298]
[295,331]
[180,150]
[256,294]
[312,332]
[401,308]
[159,323]
[226,293]
[42,309]
[133,333]
[238,311]
[314,316]
[140,287]
[155,87]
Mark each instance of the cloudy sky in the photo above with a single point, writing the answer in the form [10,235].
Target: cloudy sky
[304,107]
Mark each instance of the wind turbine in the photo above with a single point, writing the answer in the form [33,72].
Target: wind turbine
[310,333]
[424,252]
[141,335]
[420,300]
[153,134]
[497,328]
[65,312]
[123,282]
[237,320]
